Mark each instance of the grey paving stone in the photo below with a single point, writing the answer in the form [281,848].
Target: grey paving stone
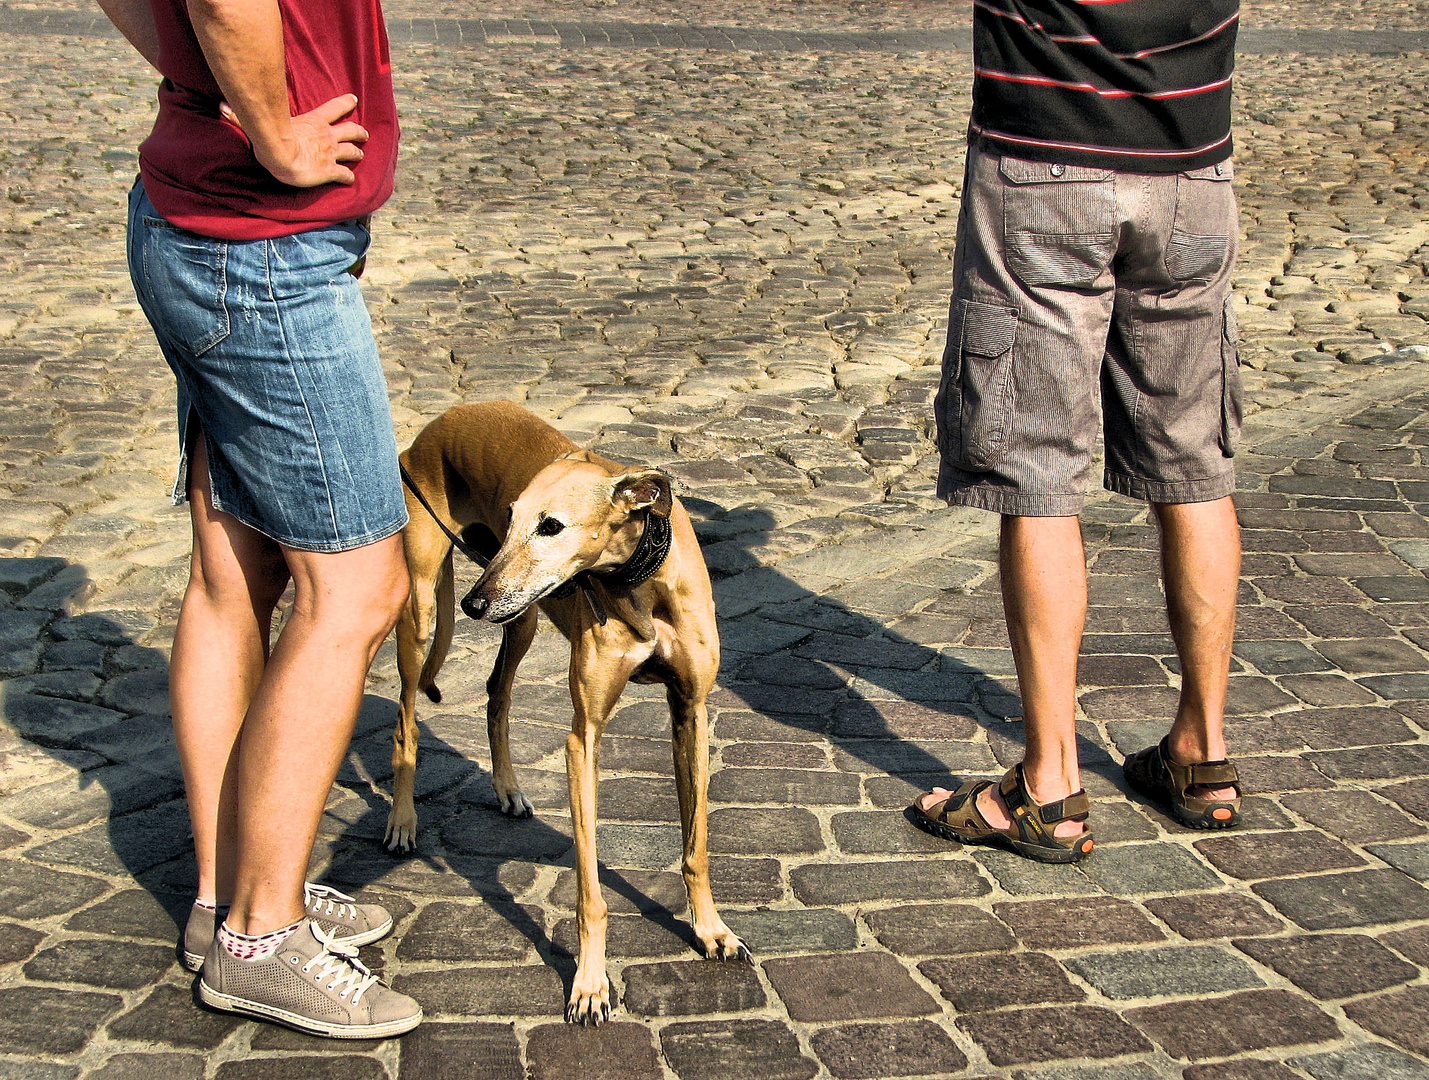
[484,832]
[1355,816]
[745,881]
[716,1049]
[446,1051]
[938,929]
[1076,921]
[36,892]
[115,965]
[1400,1016]
[912,1048]
[170,1017]
[848,986]
[805,930]
[136,1066]
[613,1051]
[691,989]
[130,844]
[1369,1061]
[1412,859]
[1148,868]
[626,891]
[477,991]
[337,1067]
[46,1021]
[1023,877]
[1226,1025]
[644,847]
[453,931]
[784,787]
[1171,970]
[17,942]
[883,832]
[1324,729]
[853,883]
[1046,1033]
[630,936]
[16,1069]
[1213,915]
[1336,901]
[1241,1069]
[976,984]
[741,831]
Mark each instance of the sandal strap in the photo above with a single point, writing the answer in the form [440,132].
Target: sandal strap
[1203,774]
[1075,807]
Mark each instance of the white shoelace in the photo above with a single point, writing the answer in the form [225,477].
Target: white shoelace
[315,896]
[340,963]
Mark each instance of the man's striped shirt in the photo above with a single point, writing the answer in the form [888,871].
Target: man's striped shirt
[1135,85]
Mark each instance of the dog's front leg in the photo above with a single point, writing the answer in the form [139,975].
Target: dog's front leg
[413,636]
[597,678]
[516,637]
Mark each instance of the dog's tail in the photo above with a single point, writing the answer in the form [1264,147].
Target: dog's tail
[442,638]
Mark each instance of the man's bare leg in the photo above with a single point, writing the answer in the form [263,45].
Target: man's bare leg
[1200,570]
[1044,598]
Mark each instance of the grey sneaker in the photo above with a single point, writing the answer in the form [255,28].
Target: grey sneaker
[314,983]
[356,924]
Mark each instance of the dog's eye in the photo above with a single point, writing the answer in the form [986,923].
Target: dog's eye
[548,526]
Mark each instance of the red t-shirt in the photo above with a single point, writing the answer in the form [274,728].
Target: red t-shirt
[198,168]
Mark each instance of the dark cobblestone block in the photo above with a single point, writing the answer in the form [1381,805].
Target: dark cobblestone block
[630,936]
[10,837]
[1213,915]
[872,1051]
[1222,1026]
[1242,1069]
[126,845]
[639,798]
[437,1051]
[1413,943]
[1115,822]
[485,832]
[133,913]
[1157,703]
[1173,969]
[150,1067]
[1069,923]
[1366,1062]
[1331,965]
[1373,762]
[17,942]
[767,755]
[689,989]
[1402,1017]
[1017,1036]
[1248,695]
[1276,854]
[979,983]
[170,1016]
[741,725]
[1281,657]
[1356,816]
[848,986]
[784,787]
[1023,877]
[1338,621]
[644,847]
[1336,901]
[1327,690]
[745,881]
[626,892]
[855,883]
[882,832]
[35,892]
[879,719]
[805,930]
[41,1020]
[276,1037]
[903,756]
[741,831]
[1372,655]
[15,1069]
[336,1067]
[1394,589]
[1272,775]
[720,1049]
[505,991]
[1148,868]
[613,1051]
[1398,687]
[938,930]
[1339,729]
[1411,859]
[447,930]
[117,965]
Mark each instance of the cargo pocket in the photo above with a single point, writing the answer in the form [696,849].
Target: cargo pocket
[1205,219]
[1059,222]
[985,397]
[1230,382]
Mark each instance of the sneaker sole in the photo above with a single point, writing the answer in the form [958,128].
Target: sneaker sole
[194,961]
[228,1003]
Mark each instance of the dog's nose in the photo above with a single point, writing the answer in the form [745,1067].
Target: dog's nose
[475,606]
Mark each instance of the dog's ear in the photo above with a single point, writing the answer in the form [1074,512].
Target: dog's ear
[648,489]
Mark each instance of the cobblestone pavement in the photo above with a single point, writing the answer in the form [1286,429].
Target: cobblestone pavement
[734,264]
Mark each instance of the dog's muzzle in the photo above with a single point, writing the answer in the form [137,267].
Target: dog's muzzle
[475,606]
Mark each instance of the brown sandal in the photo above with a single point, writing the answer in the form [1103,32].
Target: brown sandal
[958,819]
[1152,773]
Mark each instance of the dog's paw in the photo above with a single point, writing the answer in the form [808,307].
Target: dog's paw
[725,945]
[401,836]
[515,805]
[433,692]
[589,1008]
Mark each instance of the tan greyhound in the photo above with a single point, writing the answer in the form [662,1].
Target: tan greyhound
[560,515]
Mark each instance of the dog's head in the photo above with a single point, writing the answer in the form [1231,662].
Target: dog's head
[573,516]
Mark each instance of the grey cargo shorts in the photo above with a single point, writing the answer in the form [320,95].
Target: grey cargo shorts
[1067,277]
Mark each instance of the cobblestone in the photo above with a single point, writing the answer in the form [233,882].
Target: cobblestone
[718,239]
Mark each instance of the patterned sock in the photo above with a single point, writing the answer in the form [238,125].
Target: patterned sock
[206,905]
[244,947]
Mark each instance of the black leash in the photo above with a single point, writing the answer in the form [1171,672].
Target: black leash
[644,562]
